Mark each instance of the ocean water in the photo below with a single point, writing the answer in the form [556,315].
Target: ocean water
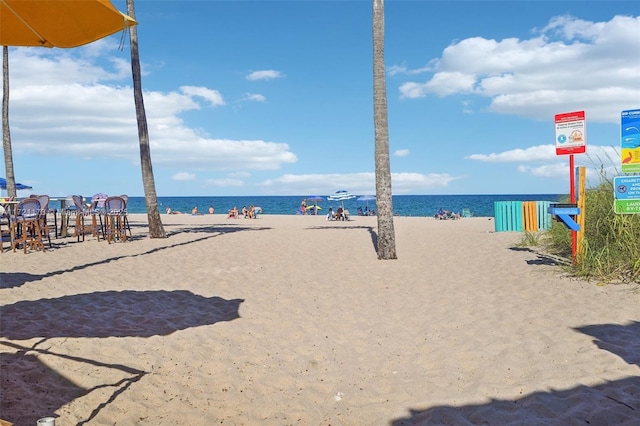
[403,205]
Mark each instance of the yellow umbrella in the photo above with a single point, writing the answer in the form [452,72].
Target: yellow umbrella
[59,23]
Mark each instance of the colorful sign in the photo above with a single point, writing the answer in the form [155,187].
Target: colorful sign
[627,194]
[571,136]
[630,141]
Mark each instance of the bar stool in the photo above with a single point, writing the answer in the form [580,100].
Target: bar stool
[82,213]
[25,226]
[115,219]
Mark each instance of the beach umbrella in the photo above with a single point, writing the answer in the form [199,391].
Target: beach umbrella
[315,199]
[367,198]
[341,196]
[19,186]
[59,23]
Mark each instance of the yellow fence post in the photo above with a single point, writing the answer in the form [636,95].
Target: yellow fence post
[529,212]
[582,202]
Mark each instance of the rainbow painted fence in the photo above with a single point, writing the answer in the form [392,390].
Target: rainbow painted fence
[521,216]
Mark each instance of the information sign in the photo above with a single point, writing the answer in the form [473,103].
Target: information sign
[627,194]
[571,137]
[630,141]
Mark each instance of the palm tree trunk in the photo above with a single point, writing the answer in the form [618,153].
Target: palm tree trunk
[156,230]
[6,134]
[384,203]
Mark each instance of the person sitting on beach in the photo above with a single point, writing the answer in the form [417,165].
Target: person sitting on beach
[441,214]
[211,210]
[252,212]
[233,213]
[345,214]
[245,212]
[330,214]
[339,214]
[168,210]
[194,210]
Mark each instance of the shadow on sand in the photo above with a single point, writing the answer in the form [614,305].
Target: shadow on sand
[114,314]
[94,315]
[611,403]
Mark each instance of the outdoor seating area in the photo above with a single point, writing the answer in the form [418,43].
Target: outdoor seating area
[27,224]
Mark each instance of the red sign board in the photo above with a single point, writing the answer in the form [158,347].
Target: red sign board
[571,136]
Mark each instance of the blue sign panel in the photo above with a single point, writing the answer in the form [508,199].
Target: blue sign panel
[630,141]
[627,187]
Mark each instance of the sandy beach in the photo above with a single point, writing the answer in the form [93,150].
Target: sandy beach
[287,320]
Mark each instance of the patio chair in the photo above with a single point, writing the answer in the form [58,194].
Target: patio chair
[25,225]
[43,213]
[115,218]
[126,218]
[4,222]
[82,214]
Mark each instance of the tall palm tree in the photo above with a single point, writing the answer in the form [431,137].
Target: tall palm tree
[156,230]
[6,134]
[384,202]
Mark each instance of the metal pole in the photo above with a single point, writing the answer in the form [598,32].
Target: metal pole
[572,195]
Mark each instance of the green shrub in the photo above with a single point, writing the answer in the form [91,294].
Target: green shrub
[529,239]
[611,250]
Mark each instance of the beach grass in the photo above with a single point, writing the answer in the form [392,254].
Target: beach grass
[611,250]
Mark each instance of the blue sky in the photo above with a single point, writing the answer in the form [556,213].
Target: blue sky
[275,98]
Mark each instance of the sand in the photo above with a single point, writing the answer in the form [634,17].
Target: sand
[287,320]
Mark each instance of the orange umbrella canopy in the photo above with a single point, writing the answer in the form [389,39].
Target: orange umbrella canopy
[59,23]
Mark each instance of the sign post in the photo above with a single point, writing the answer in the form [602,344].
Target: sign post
[630,140]
[627,194]
[571,138]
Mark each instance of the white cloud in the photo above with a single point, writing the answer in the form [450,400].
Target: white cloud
[402,69]
[224,183]
[401,153]
[264,75]
[356,183]
[213,96]
[596,156]
[256,97]
[442,84]
[542,161]
[59,107]
[534,76]
[184,176]
[534,153]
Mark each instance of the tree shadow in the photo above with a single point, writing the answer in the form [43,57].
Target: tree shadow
[95,315]
[114,314]
[25,378]
[613,402]
[16,279]
[622,340]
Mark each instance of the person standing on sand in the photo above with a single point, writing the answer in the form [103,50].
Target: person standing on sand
[303,206]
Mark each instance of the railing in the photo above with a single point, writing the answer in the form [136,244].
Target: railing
[521,216]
